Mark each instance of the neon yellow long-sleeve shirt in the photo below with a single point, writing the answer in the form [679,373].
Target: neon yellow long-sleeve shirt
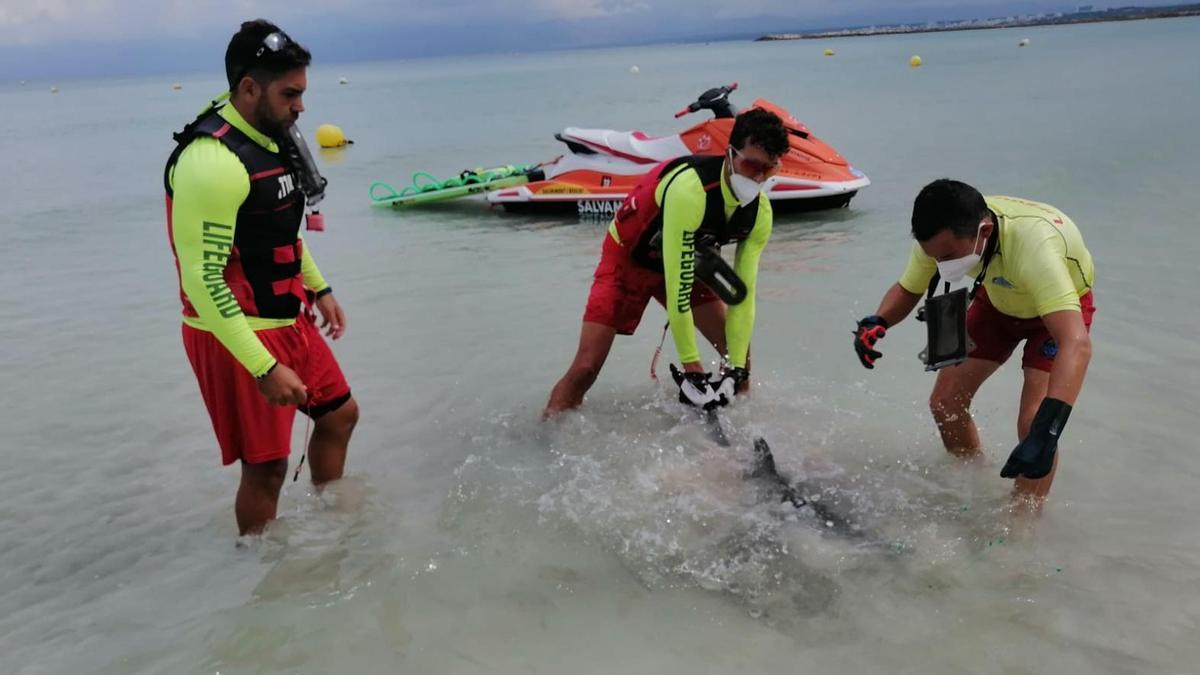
[209,184]
[683,207]
[1041,265]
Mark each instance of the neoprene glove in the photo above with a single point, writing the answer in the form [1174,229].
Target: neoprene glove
[1034,456]
[871,329]
[694,389]
[728,383]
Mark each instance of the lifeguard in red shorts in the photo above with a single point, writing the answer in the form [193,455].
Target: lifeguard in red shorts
[1032,279]
[667,231]
[234,208]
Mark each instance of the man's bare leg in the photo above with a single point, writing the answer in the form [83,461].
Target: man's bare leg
[330,439]
[595,341]
[950,404]
[258,495]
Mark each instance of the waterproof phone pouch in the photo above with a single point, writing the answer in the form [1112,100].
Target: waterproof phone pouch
[946,320]
[714,272]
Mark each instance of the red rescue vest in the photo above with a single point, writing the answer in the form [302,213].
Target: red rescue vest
[263,269]
[639,219]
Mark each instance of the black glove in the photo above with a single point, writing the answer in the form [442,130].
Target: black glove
[694,389]
[871,329]
[729,383]
[1034,456]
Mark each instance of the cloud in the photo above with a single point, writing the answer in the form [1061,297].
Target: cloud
[139,36]
[45,22]
[30,21]
[591,9]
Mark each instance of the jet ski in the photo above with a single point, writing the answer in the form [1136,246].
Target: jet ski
[601,165]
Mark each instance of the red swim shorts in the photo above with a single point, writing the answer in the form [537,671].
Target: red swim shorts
[247,427]
[621,289]
[996,334]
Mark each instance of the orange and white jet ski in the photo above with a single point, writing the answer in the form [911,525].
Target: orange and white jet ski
[602,165]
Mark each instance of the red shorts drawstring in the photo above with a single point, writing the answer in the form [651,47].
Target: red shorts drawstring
[308,421]
[657,352]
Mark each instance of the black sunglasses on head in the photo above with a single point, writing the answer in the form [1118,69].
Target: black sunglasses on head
[273,43]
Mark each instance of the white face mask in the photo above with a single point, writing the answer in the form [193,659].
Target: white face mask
[953,271]
[745,189]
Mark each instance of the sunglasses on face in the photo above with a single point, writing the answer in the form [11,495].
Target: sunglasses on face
[754,166]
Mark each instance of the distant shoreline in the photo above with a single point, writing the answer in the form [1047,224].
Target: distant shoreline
[1118,14]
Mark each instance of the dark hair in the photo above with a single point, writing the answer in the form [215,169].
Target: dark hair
[242,58]
[762,128]
[947,204]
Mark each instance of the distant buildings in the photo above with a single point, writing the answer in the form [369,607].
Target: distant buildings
[1084,14]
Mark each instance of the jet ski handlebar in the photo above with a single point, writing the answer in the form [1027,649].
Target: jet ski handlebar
[716,100]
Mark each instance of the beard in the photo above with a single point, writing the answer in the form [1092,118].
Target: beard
[266,122]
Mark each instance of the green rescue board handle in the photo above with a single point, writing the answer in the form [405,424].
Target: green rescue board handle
[426,189]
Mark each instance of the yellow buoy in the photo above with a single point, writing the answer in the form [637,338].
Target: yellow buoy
[915,61]
[330,136]
[828,52]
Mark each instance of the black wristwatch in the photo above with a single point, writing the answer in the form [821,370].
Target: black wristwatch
[323,292]
[260,378]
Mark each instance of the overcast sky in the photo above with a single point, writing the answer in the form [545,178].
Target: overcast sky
[64,38]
